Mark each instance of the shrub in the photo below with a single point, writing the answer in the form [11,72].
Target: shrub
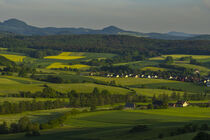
[204,127]
[202,136]
[139,128]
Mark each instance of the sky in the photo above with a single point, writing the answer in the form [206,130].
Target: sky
[190,16]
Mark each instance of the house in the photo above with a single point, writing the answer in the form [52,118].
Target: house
[196,71]
[170,77]
[208,84]
[130,106]
[181,104]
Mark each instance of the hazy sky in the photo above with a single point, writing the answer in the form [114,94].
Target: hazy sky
[192,16]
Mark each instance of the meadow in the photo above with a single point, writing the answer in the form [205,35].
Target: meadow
[203,70]
[13,85]
[155,84]
[152,92]
[87,88]
[178,56]
[112,125]
[154,69]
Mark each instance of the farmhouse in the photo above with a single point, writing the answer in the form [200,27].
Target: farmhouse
[130,106]
[181,104]
[208,84]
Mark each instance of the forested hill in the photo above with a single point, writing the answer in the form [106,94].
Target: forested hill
[5,62]
[119,44]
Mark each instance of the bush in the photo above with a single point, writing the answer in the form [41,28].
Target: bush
[160,136]
[202,136]
[139,128]
[204,127]
[32,133]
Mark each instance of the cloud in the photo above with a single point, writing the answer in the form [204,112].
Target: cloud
[139,15]
[206,3]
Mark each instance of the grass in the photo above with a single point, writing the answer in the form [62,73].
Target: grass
[13,85]
[15,58]
[60,65]
[112,125]
[154,69]
[87,88]
[156,84]
[203,70]
[35,116]
[17,99]
[178,56]
[151,92]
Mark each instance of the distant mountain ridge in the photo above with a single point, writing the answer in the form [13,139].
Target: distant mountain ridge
[19,27]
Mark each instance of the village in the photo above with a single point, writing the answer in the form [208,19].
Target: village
[157,104]
[204,81]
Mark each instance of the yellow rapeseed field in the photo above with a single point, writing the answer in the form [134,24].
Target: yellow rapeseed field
[66,56]
[60,65]
[15,58]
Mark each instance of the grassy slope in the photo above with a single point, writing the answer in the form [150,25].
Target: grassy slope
[87,88]
[112,125]
[155,83]
[12,84]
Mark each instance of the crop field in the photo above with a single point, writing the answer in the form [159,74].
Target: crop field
[151,92]
[18,99]
[35,116]
[65,56]
[15,58]
[112,125]
[87,88]
[178,56]
[139,64]
[155,84]
[133,81]
[60,65]
[3,49]
[12,84]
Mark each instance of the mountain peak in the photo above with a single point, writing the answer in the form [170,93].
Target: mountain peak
[112,29]
[14,22]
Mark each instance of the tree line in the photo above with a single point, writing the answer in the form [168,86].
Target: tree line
[118,44]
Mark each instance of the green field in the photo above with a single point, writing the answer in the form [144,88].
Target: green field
[154,69]
[151,92]
[155,84]
[178,56]
[35,116]
[12,84]
[203,70]
[87,88]
[112,125]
